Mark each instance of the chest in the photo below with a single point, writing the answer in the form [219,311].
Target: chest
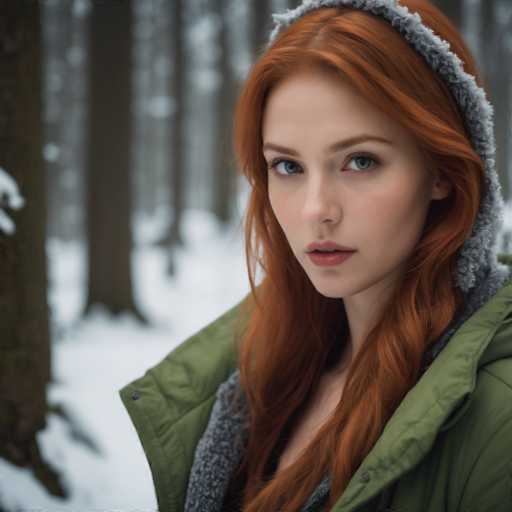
[317,411]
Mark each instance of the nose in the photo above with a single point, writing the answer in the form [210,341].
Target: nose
[321,202]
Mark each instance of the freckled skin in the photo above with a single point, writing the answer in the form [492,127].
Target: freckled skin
[376,207]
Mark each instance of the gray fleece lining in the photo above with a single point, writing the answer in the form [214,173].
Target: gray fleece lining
[219,450]
[478,274]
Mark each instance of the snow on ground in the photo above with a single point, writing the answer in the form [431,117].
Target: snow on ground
[92,359]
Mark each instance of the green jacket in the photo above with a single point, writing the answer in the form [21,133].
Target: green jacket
[447,447]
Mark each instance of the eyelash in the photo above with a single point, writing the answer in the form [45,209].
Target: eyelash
[274,163]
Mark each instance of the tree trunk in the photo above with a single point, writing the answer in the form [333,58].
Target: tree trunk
[452,9]
[143,161]
[109,158]
[261,25]
[56,23]
[24,339]
[178,129]
[497,70]
[225,176]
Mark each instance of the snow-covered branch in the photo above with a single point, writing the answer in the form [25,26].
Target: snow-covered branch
[10,198]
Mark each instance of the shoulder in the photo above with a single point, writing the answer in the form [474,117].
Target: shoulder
[210,346]
[189,375]
[484,456]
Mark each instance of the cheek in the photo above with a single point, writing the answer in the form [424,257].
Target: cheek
[394,218]
[281,205]
[287,215]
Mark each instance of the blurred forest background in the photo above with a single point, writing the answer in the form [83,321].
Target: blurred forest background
[115,124]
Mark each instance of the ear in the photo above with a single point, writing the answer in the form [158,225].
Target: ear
[441,187]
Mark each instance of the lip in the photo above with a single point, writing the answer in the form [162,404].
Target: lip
[327,245]
[329,259]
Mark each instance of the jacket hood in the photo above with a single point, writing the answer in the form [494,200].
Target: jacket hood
[479,252]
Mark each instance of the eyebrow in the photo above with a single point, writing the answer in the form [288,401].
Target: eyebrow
[337,146]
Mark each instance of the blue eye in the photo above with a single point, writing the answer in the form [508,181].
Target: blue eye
[364,157]
[277,161]
[289,172]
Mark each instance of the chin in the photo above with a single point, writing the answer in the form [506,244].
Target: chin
[332,295]
[331,292]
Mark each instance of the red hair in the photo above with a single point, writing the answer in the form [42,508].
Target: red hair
[293,332]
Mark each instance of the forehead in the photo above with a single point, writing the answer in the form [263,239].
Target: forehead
[315,99]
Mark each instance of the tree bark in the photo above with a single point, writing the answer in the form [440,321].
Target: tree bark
[108,162]
[24,330]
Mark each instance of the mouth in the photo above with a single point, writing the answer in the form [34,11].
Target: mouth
[329,258]
[328,246]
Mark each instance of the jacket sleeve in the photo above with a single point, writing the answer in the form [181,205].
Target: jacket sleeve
[488,486]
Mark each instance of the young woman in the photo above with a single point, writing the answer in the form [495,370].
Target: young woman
[371,367]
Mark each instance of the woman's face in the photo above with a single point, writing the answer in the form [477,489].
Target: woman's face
[372,196]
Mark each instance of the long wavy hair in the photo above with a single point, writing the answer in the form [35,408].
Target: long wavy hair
[294,333]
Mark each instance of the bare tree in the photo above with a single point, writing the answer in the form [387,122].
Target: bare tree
[494,56]
[55,23]
[64,61]
[497,55]
[144,133]
[24,343]
[109,158]
[261,24]
[453,9]
[178,130]
[225,176]
[154,49]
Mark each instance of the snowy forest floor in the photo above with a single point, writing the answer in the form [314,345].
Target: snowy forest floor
[93,358]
